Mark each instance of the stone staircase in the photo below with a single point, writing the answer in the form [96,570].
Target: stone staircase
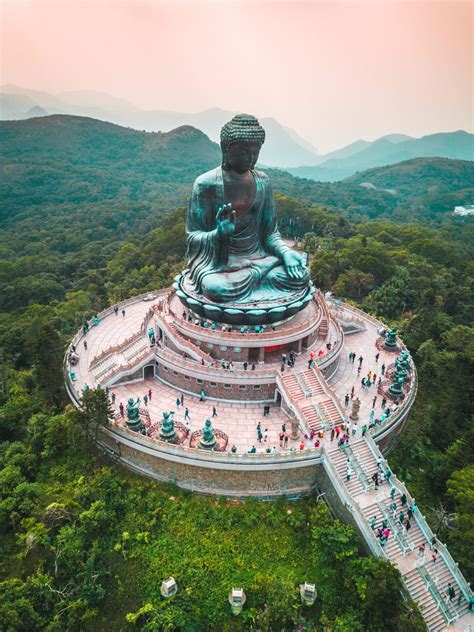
[312,384]
[293,387]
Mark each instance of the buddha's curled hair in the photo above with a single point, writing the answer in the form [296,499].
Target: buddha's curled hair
[243,127]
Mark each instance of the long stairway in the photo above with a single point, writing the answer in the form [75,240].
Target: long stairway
[425,581]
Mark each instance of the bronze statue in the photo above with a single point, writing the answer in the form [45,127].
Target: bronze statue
[237,258]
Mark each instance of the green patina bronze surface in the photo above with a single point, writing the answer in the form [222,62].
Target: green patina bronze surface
[133,416]
[238,262]
[208,439]
[167,431]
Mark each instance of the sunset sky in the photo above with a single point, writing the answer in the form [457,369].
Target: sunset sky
[333,71]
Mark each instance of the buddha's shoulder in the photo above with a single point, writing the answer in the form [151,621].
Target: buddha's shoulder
[208,180]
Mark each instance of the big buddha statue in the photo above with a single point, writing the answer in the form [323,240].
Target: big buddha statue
[240,269]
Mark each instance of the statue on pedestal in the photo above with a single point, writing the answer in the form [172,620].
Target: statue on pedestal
[167,431]
[208,439]
[391,339]
[355,409]
[238,262]
[133,416]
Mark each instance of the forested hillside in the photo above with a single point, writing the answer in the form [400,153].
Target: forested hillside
[84,544]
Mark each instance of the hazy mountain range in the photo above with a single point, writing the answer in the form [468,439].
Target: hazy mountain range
[283,147]
[80,164]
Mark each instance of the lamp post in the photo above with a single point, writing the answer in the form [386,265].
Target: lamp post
[308,594]
[237,598]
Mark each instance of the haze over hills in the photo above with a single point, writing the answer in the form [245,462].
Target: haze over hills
[384,151]
[72,162]
[283,147]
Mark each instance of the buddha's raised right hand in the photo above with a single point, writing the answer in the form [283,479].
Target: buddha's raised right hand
[226,220]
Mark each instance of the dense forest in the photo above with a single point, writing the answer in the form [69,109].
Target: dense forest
[85,545]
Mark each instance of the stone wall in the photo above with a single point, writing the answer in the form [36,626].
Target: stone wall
[224,479]
[235,392]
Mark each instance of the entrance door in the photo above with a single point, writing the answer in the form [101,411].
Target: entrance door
[149,371]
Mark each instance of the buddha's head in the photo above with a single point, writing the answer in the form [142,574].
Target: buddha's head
[241,141]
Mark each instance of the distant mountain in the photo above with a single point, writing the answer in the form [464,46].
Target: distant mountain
[73,166]
[384,151]
[283,148]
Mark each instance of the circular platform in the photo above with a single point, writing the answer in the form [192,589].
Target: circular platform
[236,377]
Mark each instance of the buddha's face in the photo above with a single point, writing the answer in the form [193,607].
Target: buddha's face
[242,156]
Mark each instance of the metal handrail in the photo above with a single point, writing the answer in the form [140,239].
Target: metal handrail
[357,514]
[442,604]
[420,520]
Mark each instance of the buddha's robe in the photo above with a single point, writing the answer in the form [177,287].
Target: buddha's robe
[243,267]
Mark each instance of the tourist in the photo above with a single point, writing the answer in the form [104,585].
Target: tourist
[184,315]
[281,437]
[252,368]
[360,359]
[85,345]
[214,411]
[352,393]
[182,399]
[375,478]
[384,402]
[386,534]
[186,414]
[450,592]
[121,408]
[187,426]
[379,463]
[373,523]
[332,434]
[317,443]
[377,356]
[421,551]
[433,542]
[434,556]
[178,402]
[371,416]
[393,507]
[246,364]
[363,382]
[252,450]
[410,513]
[346,400]
[202,395]
[354,429]
[348,473]
[112,397]
[283,427]
[145,399]
[259,433]
[123,313]
[364,430]
[408,525]
[382,368]
[273,450]
[374,377]
[302,446]
[286,441]
[359,370]
[116,310]
[233,449]
[373,401]
[310,363]
[149,394]
[388,475]
[402,517]
[403,499]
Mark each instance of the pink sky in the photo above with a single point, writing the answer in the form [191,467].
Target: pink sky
[333,71]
